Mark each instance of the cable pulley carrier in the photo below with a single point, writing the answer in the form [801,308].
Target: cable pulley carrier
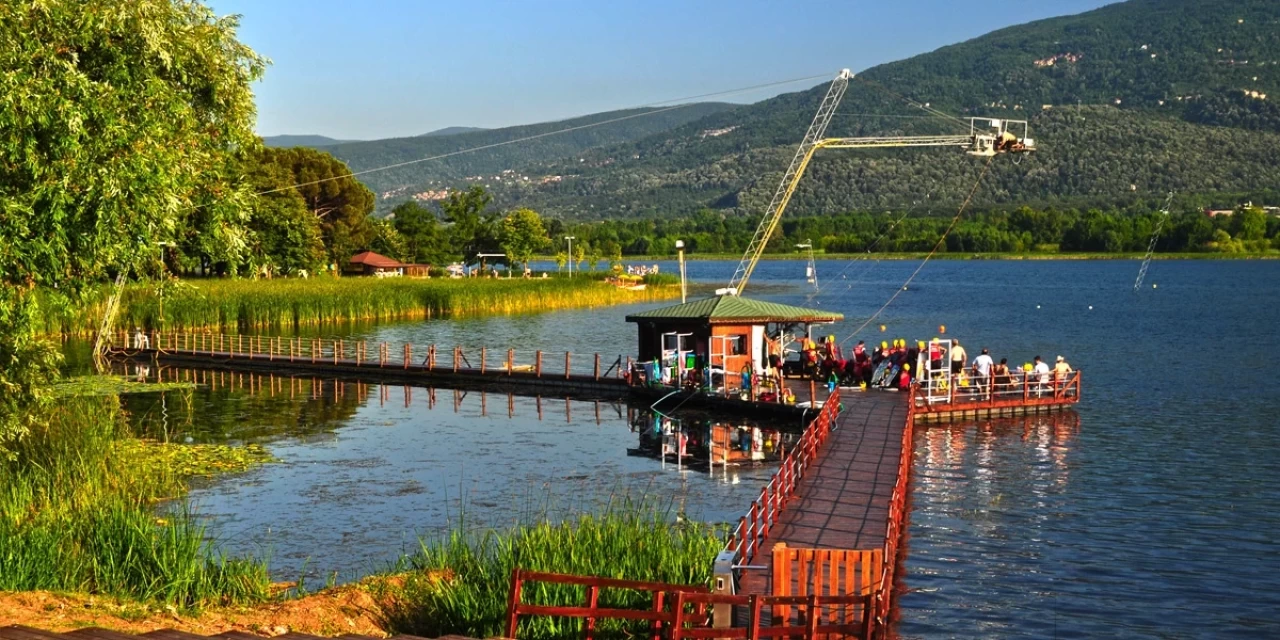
[987,137]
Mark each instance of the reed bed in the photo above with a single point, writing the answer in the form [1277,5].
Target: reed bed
[76,514]
[283,303]
[458,582]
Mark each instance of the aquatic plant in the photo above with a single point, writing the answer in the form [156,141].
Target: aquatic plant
[76,515]
[259,304]
[458,582]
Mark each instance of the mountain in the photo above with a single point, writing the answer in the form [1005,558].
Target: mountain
[448,131]
[304,140]
[509,149]
[1130,100]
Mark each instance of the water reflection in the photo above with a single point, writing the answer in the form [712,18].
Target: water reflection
[707,444]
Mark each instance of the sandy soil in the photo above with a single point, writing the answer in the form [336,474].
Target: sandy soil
[337,611]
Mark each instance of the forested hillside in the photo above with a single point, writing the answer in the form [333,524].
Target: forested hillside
[1127,101]
[522,159]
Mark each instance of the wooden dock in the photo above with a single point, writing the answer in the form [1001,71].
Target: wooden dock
[827,525]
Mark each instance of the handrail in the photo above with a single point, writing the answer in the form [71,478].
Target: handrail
[360,353]
[590,611]
[1029,391]
[753,528]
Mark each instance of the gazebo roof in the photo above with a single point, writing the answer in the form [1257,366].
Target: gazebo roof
[735,309]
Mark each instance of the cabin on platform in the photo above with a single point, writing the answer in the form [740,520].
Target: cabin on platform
[375,264]
[725,333]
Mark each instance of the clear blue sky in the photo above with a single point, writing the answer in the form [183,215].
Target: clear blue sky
[384,68]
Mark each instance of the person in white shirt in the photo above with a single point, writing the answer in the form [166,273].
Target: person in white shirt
[982,366]
[1041,372]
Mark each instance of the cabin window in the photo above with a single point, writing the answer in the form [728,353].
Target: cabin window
[736,345]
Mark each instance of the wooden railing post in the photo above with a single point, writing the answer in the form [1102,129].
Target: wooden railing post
[513,603]
[593,600]
[337,346]
[511,361]
[566,365]
[537,364]
[408,354]
[457,355]
[597,367]
[483,351]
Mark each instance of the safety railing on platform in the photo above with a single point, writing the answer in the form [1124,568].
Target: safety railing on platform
[659,617]
[1022,389]
[361,353]
[765,510]
[846,616]
[897,520]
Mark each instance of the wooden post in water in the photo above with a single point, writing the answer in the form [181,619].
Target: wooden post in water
[597,367]
[566,366]
[337,346]
[483,351]
[408,354]
[511,361]
[457,354]
[537,367]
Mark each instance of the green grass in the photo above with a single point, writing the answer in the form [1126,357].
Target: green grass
[259,304]
[458,583]
[77,515]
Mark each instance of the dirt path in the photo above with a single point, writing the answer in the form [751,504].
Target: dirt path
[332,612]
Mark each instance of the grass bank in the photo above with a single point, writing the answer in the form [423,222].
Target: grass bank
[259,304]
[77,501]
[459,583]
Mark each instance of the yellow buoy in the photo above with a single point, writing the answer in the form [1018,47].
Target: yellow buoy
[1153,285]
[942,328]
[881,328]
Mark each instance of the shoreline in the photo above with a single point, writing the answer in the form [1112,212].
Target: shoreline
[727,257]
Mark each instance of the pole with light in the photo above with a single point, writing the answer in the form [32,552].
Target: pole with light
[569,239]
[683,288]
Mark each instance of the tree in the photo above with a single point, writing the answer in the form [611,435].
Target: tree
[386,240]
[117,119]
[522,234]
[424,240]
[472,231]
[336,198]
[1249,224]
[286,237]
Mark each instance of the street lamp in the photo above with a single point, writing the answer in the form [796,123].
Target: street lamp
[683,289]
[570,240]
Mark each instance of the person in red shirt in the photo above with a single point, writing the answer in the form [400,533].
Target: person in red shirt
[904,379]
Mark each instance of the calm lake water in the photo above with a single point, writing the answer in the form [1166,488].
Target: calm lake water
[1151,512]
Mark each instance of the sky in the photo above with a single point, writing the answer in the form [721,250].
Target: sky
[392,68]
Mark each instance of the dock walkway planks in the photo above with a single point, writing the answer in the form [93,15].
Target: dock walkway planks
[843,500]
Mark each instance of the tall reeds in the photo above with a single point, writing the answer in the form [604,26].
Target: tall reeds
[76,514]
[459,582]
[283,303]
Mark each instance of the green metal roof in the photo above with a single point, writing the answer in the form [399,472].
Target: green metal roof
[726,309]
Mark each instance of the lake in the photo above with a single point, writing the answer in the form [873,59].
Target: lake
[1149,512]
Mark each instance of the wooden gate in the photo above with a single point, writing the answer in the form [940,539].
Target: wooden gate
[824,572]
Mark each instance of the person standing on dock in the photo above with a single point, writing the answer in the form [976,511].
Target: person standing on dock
[958,357]
[1041,373]
[982,366]
[1061,372]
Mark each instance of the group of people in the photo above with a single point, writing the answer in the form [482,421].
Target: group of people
[897,364]
[641,270]
[984,377]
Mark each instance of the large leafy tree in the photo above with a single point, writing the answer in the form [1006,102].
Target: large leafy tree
[117,119]
[425,241]
[473,223]
[522,234]
[336,198]
[286,237]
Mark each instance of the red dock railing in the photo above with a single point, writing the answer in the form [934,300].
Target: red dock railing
[765,510]
[1029,392]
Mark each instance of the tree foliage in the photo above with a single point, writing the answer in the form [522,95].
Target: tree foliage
[116,121]
[522,235]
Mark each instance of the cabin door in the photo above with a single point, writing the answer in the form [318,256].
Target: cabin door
[675,348]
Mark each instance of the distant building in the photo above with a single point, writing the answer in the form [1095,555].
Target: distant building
[375,264]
